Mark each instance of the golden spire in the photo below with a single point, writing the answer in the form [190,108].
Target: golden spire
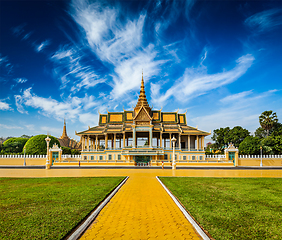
[64,135]
[142,100]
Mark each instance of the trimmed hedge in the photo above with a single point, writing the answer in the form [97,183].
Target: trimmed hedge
[38,146]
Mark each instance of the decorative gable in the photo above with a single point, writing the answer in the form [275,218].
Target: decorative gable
[143,116]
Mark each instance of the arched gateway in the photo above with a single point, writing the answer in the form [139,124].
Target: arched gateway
[142,136]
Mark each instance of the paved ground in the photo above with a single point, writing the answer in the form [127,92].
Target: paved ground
[82,172]
[141,209]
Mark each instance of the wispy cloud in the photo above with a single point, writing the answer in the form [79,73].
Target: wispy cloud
[21,80]
[19,30]
[73,108]
[265,20]
[196,82]
[70,69]
[240,109]
[9,126]
[41,46]
[6,68]
[236,97]
[118,44]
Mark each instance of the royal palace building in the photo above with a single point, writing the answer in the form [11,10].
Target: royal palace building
[142,135]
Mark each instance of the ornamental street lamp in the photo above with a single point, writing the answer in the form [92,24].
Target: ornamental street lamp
[261,156]
[173,154]
[24,156]
[47,160]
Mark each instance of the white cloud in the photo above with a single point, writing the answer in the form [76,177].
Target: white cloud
[265,21]
[4,106]
[9,126]
[240,109]
[51,130]
[70,109]
[41,46]
[117,43]
[196,81]
[89,119]
[236,97]
[71,71]
[21,80]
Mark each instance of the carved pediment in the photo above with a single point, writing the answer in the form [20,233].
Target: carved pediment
[143,115]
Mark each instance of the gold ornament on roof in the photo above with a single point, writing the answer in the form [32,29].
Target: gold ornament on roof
[142,100]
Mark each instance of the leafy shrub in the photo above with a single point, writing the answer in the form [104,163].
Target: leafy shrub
[14,145]
[75,152]
[38,146]
[66,150]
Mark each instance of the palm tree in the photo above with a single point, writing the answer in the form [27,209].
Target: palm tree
[267,120]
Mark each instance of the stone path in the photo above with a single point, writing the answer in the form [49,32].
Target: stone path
[141,210]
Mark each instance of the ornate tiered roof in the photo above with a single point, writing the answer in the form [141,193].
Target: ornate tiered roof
[166,122]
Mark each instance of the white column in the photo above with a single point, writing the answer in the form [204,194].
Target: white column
[189,141]
[179,141]
[170,140]
[197,142]
[96,143]
[134,138]
[151,137]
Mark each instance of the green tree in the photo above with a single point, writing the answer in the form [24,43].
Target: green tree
[75,152]
[13,145]
[224,136]
[219,137]
[267,119]
[38,146]
[260,133]
[66,150]
[272,145]
[236,135]
[250,145]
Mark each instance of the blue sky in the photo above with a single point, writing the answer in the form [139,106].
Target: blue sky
[218,60]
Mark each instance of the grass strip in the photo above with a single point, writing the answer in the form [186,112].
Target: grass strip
[48,208]
[232,208]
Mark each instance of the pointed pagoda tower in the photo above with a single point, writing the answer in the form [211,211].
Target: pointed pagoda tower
[64,135]
[142,100]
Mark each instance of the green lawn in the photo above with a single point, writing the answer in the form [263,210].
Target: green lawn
[48,208]
[232,208]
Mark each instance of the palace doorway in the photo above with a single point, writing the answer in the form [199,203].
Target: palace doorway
[142,160]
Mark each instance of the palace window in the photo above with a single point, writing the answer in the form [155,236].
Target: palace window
[193,157]
[92,157]
[100,157]
[119,157]
[165,157]
[184,157]
[85,157]
[201,157]
[110,156]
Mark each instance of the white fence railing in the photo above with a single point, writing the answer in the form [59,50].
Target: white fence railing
[215,156]
[38,156]
[260,156]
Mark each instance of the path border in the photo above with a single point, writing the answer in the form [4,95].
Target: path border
[81,229]
[186,214]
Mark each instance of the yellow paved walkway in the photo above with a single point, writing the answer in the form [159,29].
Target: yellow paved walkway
[141,209]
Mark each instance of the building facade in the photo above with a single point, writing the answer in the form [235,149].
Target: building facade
[142,135]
